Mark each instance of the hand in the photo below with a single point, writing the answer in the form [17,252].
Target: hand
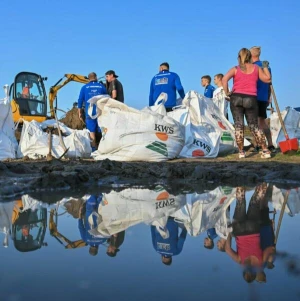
[265,64]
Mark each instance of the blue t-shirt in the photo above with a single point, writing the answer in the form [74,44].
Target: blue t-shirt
[170,246]
[88,91]
[91,204]
[167,82]
[262,88]
[209,91]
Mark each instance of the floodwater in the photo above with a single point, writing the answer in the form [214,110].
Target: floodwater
[49,250]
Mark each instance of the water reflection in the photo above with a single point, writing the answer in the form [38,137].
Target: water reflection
[242,223]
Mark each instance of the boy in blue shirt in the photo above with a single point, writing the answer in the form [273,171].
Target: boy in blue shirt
[209,89]
[167,82]
[93,88]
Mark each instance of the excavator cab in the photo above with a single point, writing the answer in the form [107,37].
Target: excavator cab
[28,230]
[28,97]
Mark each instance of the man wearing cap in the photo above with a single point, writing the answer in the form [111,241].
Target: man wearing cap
[167,82]
[263,99]
[91,89]
[114,87]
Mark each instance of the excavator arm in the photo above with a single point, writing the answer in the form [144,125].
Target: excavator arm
[61,83]
[61,238]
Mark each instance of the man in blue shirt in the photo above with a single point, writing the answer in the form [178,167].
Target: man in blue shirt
[209,89]
[93,88]
[170,246]
[88,208]
[263,99]
[167,82]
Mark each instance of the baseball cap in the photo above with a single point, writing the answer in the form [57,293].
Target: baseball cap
[111,72]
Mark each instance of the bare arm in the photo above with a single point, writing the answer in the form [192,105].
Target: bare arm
[234,255]
[229,75]
[264,75]
[114,94]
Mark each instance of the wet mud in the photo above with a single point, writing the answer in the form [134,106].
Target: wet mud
[23,176]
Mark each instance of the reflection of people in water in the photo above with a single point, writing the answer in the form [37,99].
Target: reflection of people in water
[115,241]
[173,242]
[90,206]
[221,230]
[26,233]
[247,231]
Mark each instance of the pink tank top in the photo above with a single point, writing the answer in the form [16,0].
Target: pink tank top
[249,245]
[245,83]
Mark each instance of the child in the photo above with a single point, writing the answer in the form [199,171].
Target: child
[209,89]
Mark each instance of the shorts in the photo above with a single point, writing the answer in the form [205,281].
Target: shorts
[262,109]
[92,125]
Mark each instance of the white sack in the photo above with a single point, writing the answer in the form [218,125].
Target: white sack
[205,211]
[121,210]
[8,141]
[291,119]
[207,132]
[132,135]
[34,142]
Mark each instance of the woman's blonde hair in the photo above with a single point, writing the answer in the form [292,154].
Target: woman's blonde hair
[244,57]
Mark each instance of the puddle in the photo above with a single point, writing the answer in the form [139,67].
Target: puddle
[134,243]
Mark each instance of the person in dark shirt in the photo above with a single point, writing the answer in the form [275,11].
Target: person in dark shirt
[115,241]
[114,87]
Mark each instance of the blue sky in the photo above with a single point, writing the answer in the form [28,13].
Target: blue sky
[133,37]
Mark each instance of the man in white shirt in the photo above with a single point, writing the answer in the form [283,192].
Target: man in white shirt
[219,97]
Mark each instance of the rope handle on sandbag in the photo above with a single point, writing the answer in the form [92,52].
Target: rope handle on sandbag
[163,97]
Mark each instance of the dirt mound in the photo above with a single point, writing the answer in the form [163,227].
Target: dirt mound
[72,120]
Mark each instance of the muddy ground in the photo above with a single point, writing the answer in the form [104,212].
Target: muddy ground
[23,176]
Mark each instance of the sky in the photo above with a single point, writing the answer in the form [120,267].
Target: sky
[133,37]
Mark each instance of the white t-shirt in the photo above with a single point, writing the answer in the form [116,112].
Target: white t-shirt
[220,101]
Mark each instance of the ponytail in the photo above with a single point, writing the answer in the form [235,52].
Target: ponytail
[244,57]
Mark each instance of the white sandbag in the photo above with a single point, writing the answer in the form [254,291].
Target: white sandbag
[8,141]
[158,106]
[121,210]
[132,135]
[207,132]
[34,142]
[205,211]
[291,119]
[292,207]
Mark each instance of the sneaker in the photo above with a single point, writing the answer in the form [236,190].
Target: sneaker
[265,154]
[256,149]
[272,149]
[242,154]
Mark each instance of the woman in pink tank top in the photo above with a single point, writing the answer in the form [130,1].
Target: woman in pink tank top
[246,227]
[243,101]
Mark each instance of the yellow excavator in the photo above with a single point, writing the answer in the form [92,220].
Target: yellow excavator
[29,99]
[68,244]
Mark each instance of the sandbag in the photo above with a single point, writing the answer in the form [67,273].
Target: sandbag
[205,211]
[132,135]
[8,141]
[291,119]
[121,210]
[34,142]
[207,132]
